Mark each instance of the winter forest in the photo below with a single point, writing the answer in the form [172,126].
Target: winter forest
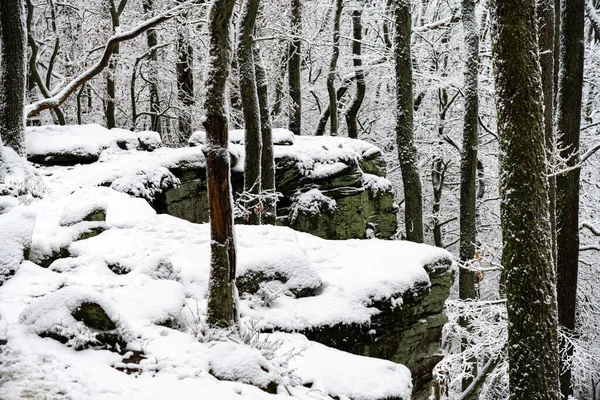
[310,199]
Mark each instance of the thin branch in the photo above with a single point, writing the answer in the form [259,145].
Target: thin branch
[56,100]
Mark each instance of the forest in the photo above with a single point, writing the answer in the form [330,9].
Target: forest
[319,199]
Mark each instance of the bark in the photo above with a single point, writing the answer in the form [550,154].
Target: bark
[152,42]
[407,152]
[109,112]
[468,160]
[250,109]
[568,120]
[185,85]
[335,54]
[545,13]
[13,48]
[221,311]
[354,106]
[279,81]
[294,60]
[267,158]
[530,283]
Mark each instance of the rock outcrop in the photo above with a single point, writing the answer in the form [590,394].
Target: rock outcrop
[334,188]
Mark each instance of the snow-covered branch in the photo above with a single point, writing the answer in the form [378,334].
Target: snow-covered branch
[60,97]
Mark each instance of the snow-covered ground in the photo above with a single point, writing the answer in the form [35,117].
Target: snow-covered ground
[149,274]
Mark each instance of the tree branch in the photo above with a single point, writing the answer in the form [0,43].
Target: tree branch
[56,100]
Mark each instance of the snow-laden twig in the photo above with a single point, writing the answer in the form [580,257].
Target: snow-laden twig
[61,96]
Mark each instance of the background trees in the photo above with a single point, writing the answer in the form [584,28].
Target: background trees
[429,124]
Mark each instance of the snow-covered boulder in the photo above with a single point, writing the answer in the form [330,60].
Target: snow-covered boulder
[77,317]
[16,231]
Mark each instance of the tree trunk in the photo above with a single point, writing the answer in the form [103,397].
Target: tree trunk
[250,108]
[407,152]
[527,248]
[13,49]
[267,160]
[294,60]
[112,66]
[222,307]
[335,54]
[352,112]
[152,41]
[545,14]
[468,160]
[185,85]
[568,120]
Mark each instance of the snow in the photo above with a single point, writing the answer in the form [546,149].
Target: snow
[150,272]
[18,178]
[86,140]
[313,202]
[53,314]
[342,374]
[16,230]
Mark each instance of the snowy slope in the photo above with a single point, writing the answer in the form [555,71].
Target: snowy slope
[149,273]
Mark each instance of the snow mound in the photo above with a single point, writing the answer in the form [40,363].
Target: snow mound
[54,315]
[16,231]
[280,259]
[18,178]
[67,144]
[233,362]
[280,136]
[344,375]
[313,202]
[149,140]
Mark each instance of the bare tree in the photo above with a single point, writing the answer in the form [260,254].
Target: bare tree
[250,108]
[13,45]
[568,120]
[468,164]
[407,152]
[335,54]
[221,289]
[294,60]
[530,282]
[357,100]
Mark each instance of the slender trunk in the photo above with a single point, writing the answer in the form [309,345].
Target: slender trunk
[335,54]
[151,42]
[407,152]
[280,80]
[354,107]
[546,17]
[568,120]
[468,160]
[185,85]
[222,304]
[267,160]
[13,46]
[250,108]
[294,60]
[527,248]
[111,71]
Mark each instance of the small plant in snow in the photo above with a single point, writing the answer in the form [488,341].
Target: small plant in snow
[267,294]
[248,203]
